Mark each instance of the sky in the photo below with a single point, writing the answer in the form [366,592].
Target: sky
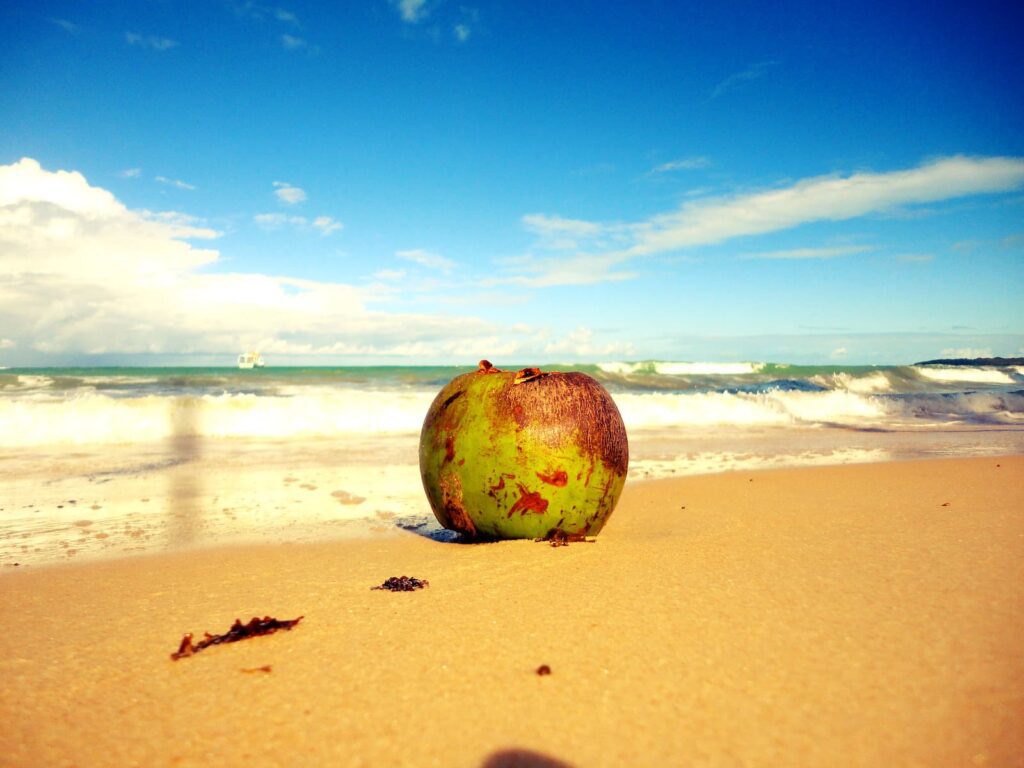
[436,182]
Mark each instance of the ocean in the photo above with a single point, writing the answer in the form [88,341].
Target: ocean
[102,461]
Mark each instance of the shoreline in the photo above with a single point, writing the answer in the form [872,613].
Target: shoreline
[860,614]
[70,503]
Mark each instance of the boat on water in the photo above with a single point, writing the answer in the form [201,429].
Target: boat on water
[250,360]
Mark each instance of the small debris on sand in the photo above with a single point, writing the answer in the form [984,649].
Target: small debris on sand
[238,631]
[543,669]
[559,538]
[403,584]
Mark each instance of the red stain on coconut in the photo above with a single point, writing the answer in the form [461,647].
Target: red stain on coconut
[449,448]
[529,501]
[499,486]
[559,478]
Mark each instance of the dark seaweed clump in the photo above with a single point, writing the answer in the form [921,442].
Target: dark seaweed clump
[403,584]
[238,631]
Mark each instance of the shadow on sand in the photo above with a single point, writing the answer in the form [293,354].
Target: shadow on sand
[185,486]
[522,758]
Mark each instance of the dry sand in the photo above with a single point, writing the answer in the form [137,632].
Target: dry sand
[859,615]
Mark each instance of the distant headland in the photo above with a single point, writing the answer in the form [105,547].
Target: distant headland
[1001,361]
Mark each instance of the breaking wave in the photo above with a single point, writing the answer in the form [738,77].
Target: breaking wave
[92,417]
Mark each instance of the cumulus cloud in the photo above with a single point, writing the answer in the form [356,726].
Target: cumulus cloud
[289,194]
[81,273]
[149,41]
[427,259]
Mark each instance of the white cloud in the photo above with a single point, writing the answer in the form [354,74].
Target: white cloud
[427,259]
[915,258]
[412,11]
[288,194]
[389,275]
[562,234]
[286,16]
[753,72]
[580,269]
[824,198]
[66,25]
[809,253]
[130,173]
[580,343]
[683,164]
[83,274]
[174,182]
[295,43]
[325,225]
[597,248]
[150,41]
[839,353]
[462,32]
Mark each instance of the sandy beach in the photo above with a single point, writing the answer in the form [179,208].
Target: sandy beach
[856,615]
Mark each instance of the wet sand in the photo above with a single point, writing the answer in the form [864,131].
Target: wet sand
[853,615]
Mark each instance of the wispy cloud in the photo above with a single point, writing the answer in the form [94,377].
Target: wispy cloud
[66,25]
[809,253]
[177,183]
[286,16]
[289,194]
[597,250]
[683,164]
[561,234]
[427,259]
[753,72]
[462,32]
[412,11]
[150,41]
[547,272]
[325,225]
[294,43]
[824,198]
[130,173]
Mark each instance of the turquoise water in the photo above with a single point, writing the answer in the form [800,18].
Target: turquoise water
[106,461]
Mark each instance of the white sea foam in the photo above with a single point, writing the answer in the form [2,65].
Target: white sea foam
[868,384]
[965,374]
[90,417]
[654,411]
[682,369]
[96,418]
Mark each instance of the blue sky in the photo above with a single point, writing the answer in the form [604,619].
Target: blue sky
[406,182]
